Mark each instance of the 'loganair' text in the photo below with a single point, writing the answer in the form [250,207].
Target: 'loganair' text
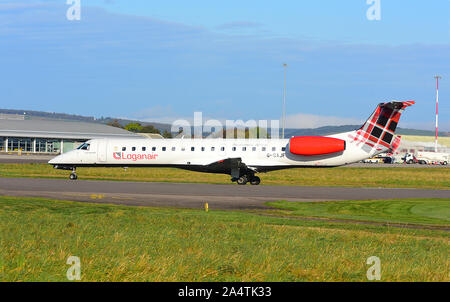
[134,157]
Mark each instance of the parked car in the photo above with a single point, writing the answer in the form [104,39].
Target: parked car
[373,160]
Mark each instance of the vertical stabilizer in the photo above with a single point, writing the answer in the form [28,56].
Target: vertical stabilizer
[377,133]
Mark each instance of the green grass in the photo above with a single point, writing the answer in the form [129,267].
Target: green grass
[117,243]
[409,211]
[431,178]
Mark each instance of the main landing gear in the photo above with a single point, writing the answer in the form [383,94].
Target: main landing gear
[244,179]
[73,175]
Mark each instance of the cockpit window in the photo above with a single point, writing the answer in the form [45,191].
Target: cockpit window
[84,146]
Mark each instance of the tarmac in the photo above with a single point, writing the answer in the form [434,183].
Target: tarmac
[193,195]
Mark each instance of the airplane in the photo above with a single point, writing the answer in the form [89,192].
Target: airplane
[242,158]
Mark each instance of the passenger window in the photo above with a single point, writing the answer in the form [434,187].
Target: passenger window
[124,148]
[164,148]
[233,149]
[283,149]
[192,148]
[153,148]
[173,148]
[222,148]
[213,148]
[244,148]
[183,148]
[253,148]
[144,148]
[263,149]
[274,149]
[85,147]
[133,148]
[203,148]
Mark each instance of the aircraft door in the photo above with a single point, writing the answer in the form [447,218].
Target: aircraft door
[102,150]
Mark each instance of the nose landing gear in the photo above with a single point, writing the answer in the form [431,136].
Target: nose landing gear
[73,175]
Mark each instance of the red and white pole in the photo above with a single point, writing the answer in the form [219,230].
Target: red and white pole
[437,105]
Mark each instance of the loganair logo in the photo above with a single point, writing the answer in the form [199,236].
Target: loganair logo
[134,157]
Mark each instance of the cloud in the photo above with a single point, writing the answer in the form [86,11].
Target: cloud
[114,64]
[303,120]
[11,6]
[239,25]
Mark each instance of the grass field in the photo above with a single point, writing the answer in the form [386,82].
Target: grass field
[410,211]
[117,243]
[433,178]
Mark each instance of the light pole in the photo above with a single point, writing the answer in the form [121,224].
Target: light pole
[437,77]
[284,100]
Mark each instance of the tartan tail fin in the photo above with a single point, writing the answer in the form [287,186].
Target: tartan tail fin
[377,133]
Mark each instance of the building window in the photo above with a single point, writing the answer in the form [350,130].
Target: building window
[21,144]
[44,145]
[283,148]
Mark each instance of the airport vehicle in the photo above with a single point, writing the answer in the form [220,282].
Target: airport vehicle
[432,158]
[373,160]
[396,159]
[409,158]
[242,158]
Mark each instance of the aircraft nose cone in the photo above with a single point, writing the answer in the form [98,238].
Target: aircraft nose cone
[54,160]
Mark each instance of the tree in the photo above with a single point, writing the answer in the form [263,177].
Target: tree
[150,129]
[167,134]
[133,127]
[115,123]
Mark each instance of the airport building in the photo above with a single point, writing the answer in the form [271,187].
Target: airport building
[41,136]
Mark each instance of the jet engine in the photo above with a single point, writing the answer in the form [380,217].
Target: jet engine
[315,145]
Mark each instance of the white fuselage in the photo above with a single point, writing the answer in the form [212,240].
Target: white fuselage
[261,154]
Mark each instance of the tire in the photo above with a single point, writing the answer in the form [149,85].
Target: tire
[409,161]
[242,180]
[73,176]
[445,163]
[255,180]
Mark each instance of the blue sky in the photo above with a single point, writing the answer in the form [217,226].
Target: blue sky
[163,60]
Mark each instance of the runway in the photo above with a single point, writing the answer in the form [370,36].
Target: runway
[188,195]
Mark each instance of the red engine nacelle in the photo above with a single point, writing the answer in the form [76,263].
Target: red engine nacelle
[315,145]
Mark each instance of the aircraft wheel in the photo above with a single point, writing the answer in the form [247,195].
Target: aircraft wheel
[73,176]
[255,180]
[242,180]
